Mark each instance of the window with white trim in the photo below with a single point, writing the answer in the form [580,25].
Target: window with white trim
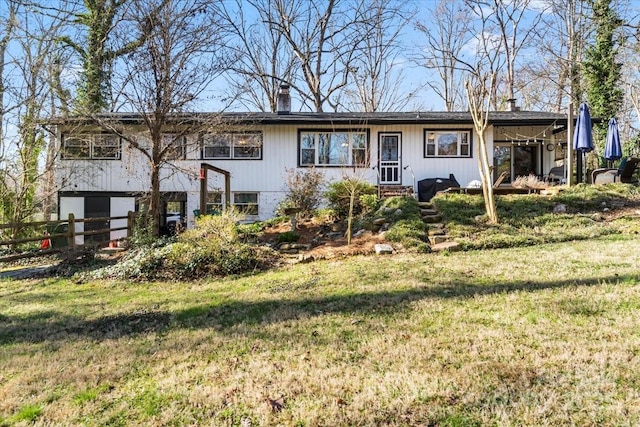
[214,202]
[246,203]
[333,148]
[100,146]
[447,143]
[177,146]
[242,146]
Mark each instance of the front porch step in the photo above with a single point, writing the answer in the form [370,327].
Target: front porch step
[394,190]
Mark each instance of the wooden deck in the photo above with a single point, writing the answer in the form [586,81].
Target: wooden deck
[507,189]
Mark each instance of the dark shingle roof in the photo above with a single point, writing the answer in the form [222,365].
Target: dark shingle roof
[310,118]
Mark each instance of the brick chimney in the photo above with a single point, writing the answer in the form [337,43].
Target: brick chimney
[284,100]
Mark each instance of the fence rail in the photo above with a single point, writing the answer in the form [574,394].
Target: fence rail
[69,235]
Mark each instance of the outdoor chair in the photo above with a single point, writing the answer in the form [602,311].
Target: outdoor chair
[498,182]
[555,175]
[624,172]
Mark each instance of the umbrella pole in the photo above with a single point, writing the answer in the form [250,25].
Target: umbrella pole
[579,166]
[568,166]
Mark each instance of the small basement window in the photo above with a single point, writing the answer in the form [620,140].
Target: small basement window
[246,203]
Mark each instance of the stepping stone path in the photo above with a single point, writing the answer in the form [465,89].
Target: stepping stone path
[438,237]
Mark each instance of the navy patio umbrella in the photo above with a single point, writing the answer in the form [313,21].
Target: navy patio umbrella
[613,148]
[583,138]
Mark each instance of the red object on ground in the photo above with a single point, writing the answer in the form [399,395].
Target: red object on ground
[46,242]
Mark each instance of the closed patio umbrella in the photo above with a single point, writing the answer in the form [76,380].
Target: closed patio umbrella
[583,138]
[612,147]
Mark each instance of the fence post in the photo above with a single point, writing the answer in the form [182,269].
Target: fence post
[72,232]
[130,223]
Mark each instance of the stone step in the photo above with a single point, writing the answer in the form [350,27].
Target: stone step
[425,205]
[436,232]
[383,249]
[425,211]
[446,246]
[436,240]
[431,219]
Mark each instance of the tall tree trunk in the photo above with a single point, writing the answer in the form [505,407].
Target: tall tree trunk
[155,202]
[478,96]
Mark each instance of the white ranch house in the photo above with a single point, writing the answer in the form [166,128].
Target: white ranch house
[246,161]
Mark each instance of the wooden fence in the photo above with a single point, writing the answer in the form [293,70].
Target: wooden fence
[64,240]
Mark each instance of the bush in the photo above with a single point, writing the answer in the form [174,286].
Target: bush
[303,190]
[142,233]
[369,202]
[288,237]
[411,233]
[339,194]
[212,248]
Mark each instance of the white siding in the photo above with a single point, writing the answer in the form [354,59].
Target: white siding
[74,205]
[265,176]
[120,206]
[412,155]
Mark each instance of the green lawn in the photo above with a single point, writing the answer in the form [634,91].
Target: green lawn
[541,335]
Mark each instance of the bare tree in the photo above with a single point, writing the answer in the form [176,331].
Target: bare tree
[447,37]
[260,58]
[7,24]
[489,59]
[324,37]
[26,104]
[554,79]
[99,33]
[163,80]
[515,32]
[377,80]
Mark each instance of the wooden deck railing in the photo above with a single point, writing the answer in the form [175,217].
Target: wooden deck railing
[40,231]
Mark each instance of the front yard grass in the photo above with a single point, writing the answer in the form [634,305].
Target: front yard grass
[527,336]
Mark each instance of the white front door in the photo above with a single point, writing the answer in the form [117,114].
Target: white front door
[389,158]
